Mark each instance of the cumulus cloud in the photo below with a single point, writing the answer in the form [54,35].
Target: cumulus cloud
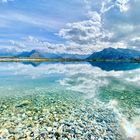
[124,25]
[108,23]
[134,42]
[107,5]
[84,32]
[29,43]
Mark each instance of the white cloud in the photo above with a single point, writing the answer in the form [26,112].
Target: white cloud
[108,23]
[135,42]
[76,77]
[107,5]
[92,33]
[83,37]
[29,43]
[84,32]
[8,18]
[123,5]
[124,25]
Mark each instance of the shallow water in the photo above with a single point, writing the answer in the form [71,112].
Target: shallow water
[69,101]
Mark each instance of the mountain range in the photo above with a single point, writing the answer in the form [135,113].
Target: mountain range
[40,54]
[105,54]
[115,54]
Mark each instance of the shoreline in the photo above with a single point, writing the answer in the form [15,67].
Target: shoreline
[8,59]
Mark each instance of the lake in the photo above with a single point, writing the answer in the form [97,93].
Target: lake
[70,101]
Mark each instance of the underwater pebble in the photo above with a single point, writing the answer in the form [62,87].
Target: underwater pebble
[44,118]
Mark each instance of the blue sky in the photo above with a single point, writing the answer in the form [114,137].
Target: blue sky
[74,27]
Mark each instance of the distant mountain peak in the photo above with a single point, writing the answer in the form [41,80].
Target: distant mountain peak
[33,53]
[118,53]
[42,54]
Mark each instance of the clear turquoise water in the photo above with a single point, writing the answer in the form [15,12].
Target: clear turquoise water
[69,101]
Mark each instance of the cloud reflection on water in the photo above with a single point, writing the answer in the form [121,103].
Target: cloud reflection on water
[78,77]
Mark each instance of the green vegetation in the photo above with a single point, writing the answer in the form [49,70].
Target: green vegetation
[26,59]
[15,59]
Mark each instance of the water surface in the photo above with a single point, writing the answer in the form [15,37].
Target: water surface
[70,101]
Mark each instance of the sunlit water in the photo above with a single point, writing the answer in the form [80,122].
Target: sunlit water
[78,101]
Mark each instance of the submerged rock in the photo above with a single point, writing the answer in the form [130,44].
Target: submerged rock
[24,103]
[70,118]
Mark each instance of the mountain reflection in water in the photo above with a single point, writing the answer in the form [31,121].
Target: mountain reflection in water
[102,95]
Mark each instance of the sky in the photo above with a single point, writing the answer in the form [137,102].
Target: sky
[68,27]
